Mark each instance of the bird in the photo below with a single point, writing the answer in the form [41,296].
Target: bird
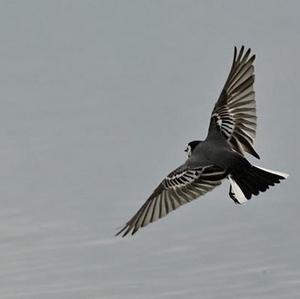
[231,135]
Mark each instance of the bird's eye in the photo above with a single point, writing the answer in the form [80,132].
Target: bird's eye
[188,150]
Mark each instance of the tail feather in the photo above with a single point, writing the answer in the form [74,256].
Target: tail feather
[247,180]
[278,173]
[235,192]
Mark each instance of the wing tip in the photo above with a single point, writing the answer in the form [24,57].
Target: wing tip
[241,53]
[121,232]
[254,153]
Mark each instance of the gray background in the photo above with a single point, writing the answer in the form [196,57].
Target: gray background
[98,100]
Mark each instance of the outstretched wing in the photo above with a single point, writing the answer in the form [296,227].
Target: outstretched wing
[180,187]
[234,114]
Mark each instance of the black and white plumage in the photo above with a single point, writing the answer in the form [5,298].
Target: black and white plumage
[231,134]
[235,111]
[178,188]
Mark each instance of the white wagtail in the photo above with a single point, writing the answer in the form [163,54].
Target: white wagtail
[231,134]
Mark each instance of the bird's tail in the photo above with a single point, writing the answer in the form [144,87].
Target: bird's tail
[247,180]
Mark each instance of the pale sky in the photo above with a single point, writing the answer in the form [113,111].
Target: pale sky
[98,102]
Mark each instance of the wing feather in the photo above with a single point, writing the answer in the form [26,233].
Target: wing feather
[234,114]
[178,188]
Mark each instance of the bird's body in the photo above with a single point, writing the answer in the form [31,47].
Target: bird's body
[216,151]
[230,136]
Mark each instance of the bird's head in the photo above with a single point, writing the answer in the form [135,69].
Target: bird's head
[191,146]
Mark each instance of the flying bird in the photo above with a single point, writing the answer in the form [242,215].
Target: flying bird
[231,135]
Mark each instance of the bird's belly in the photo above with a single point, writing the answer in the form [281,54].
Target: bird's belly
[217,154]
